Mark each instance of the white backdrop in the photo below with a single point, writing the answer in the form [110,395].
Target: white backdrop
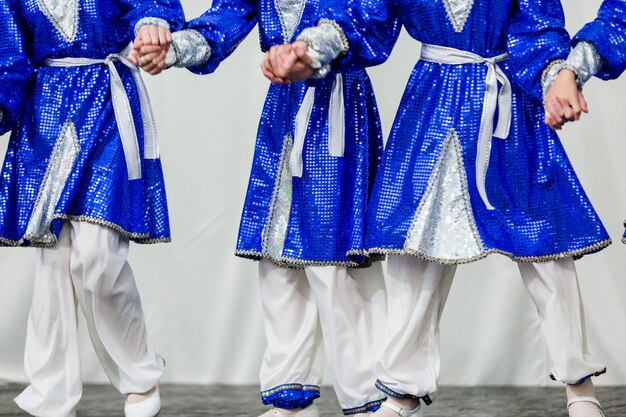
[202,304]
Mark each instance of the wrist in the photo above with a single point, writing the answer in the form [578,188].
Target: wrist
[567,74]
[189,49]
[151,21]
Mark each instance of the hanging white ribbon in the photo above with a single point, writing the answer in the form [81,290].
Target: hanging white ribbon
[123,111]
[336,125]
[492,98]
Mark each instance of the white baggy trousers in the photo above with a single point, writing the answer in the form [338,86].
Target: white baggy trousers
[87,267]
[417,292]
[340,309]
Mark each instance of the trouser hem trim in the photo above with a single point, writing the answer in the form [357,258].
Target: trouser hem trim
[290,396]
[580,381]
[382,387]
[368,407]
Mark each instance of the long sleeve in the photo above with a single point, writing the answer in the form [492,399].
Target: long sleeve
[607,33]
[371,29]
[164,13]
[212,37]
[536,39]
[15,67]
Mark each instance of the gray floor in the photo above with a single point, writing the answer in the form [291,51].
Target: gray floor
[196,401]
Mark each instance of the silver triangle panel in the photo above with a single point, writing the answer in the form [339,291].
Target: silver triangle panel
[458,12]
[64,16]
[443,227]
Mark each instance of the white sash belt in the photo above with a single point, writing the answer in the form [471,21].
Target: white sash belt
[493,98]
[123,111]
[336,125]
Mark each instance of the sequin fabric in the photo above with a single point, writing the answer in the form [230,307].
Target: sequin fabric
[290,396]
[550,74]
[63,14]
[65,159]
[607,33]
[58,171]
[585,60]
[289,13]
[425,200]
[445,207]
[326,42]
[458,12]
[191,48]
[318,218]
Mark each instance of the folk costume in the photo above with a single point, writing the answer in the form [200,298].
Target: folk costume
[599,49]
[317,148]
[471,169]
[81,178]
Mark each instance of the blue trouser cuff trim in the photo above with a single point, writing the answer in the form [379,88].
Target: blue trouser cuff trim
[290,396]
[580,381]
[400,395]
[365,408]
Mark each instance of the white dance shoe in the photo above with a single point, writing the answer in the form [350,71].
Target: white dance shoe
[416,412]
[149,407]
[310,411]
[592,400]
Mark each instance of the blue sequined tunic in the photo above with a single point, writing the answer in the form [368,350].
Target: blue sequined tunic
[608,34]
[317,218]
[65,158]
[426,200]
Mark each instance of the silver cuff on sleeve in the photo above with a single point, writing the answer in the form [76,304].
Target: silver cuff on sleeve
[326,42]
[151,21]
[550,73]
[191,48]
[585,61]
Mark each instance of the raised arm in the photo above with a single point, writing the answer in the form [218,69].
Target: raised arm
[212,37]
[601,44]
[537,40]
[166,14]
[371,29]
[15,67]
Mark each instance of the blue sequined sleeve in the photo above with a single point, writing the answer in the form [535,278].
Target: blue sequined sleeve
[372,28]
[536,38]
[224,26]
[166,13]
[15,66]
[608,34]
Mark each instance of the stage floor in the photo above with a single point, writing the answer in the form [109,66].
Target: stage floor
[243,401]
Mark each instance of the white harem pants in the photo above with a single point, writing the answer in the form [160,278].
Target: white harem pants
[87,267]
[417,290]
[340,309]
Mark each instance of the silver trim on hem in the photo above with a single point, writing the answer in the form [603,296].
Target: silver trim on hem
[139,238]
[294,263]
[547,258]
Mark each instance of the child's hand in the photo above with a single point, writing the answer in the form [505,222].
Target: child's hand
[563,102]
[150,48]
[154,35]
[284,64]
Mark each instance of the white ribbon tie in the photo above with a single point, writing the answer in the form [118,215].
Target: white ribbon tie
[123,112]
[502,100]
[336,125]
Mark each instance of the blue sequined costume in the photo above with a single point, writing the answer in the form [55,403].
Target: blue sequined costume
[608,35]
[65,158]
[316,217]
[426,200]
[318,145]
